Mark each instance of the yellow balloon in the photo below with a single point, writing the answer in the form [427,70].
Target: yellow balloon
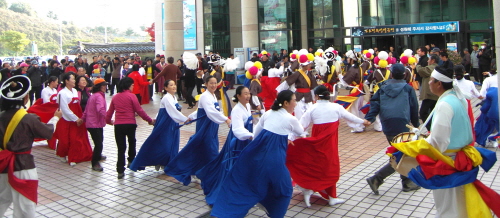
[264,52]
[402,55]
[365,51]
[248,75]
[310,57]
[412,60]
[382,63]
[197,97]
[317,54]
[258,64]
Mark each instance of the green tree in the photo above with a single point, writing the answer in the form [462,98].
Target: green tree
[3,4]
[21,7]
[48,48]
[129,32]
[14,41]
[120,39]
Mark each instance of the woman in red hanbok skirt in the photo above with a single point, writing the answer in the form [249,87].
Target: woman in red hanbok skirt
[73,146]
[45,106]
[269,84]
[314,161]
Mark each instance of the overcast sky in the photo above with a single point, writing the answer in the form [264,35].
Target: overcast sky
[121,14]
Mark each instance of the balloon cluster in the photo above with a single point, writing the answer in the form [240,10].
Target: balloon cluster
[407,57]
[253,70]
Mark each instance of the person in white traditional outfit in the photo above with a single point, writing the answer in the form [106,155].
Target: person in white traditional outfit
[50,90]
[466,86]
[489,82]
[451,129]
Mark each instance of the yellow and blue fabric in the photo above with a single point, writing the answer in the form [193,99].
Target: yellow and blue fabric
[386,77]
[439,171]
[346,101]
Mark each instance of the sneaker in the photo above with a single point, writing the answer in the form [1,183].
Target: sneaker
[121,175]
[334,201]
[157,167]
[97,168]
[357,130]
[72,164]
[373,183]
[103,158]
[63,159]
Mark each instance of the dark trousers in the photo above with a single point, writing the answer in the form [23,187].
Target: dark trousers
[179,89]
[387,170]
[97,135]
[139,98]
[122,131]
[189,96]
[230,78]
[199,84]
[150,87]
[483,68]
[114,83]
[35,93]
[107,78]
[425,111]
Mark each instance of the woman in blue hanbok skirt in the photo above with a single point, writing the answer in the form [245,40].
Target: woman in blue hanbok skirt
[487,122]
[259,174]
[163,143]
[203,146]
[239,136]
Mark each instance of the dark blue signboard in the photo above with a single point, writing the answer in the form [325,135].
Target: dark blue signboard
[406,29]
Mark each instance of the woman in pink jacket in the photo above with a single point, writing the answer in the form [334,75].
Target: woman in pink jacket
[95,120]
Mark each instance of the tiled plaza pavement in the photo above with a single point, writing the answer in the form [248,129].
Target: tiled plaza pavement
[78,191]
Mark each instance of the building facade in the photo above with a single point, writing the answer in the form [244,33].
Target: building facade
[272,25]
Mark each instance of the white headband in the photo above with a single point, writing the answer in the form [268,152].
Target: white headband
[439,76]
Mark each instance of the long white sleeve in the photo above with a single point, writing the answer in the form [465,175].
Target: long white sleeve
[193,115]
[206,102]
[53,121]
[295,127]
[64,99]
[344,114]
[473,91]
[239,115]
[441,126]
[306,119]
[255,100]
[168,102]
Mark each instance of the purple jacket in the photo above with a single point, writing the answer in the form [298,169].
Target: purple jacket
[95,112]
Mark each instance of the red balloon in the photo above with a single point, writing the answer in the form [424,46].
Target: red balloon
[404,60]
[376,60]
[303,59]
[253,70]
[368,55]
[293,56]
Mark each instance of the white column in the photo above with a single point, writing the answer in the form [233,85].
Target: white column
[303,25]
[235,24]
[249,23]
[174,28]
[496,42]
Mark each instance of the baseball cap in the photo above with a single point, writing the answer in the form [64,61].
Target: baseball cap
[99,81]
[24,65]
[436,50]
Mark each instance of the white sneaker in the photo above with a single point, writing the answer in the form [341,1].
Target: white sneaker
[307,195]
[72,164]
[63,159]
[357,130]
[491,144]
[195,179]
[334,201]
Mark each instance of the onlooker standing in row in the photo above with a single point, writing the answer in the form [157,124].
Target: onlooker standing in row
[180,81]
[466,60]
[115,76]
[428,98]
[90,68]
[160,65]
[6,72]
[484,57]
[35,75]
[71,67]
[475,63]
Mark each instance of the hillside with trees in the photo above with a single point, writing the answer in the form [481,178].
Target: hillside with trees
[19,17]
